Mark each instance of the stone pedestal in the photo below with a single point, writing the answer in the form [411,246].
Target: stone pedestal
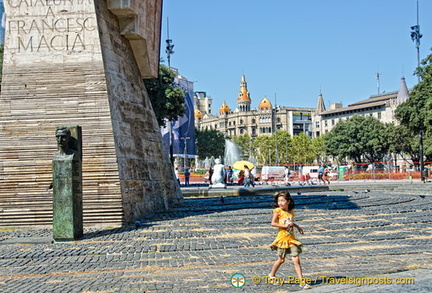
[67,201]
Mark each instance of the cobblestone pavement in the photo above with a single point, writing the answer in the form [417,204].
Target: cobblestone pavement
[198,248]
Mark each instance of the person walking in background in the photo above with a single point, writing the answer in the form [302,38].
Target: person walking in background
[210,175]
[285,242]
[321,174]
[252,177]
[187,176]
[229,176]
[287,174]
[247,174]
[326,175]
[240,176]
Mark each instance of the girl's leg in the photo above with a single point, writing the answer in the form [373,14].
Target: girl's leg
[276,266]
[298,269]
[297,266]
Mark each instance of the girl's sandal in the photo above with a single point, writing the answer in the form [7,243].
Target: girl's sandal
[306,286]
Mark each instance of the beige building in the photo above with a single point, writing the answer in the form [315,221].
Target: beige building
[264,120]
[203,103]
[381,106]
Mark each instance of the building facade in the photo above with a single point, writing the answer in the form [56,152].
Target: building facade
[382,107]
[264,120]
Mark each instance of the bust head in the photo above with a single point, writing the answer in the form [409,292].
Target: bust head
[63,135]
[217,161]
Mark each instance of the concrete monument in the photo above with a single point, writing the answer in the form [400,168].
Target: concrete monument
[82,62]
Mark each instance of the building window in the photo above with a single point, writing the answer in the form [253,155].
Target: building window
[333,122]
[325,123]
[379,115]
[241,121]
[241,131]
[253,121]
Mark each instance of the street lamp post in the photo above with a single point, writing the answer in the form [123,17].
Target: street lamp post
[185,150]
[169,51]
[416,36]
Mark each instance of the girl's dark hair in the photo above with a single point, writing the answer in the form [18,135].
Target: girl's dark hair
[287,196]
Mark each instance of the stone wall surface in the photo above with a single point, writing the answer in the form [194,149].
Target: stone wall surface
[66,63]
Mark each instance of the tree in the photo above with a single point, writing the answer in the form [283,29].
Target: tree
[210,143]
[403,142]
[302,149]
[416,112]
[359,137]
[244,142]
[284,142]
[318,149]
[167,99]
[263,146]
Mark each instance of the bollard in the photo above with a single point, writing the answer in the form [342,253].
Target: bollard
[67,185]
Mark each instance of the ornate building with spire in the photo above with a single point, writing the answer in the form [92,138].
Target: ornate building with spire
[382,107]
[264,120]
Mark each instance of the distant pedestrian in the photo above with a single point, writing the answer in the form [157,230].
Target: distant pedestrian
[187,176]
[321,175]
[229,176]
[326,175]
[248,177]
[210,175]
[287,174]
[285,242]
[240,177]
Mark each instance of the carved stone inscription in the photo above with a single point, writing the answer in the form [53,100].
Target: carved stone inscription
[60,25]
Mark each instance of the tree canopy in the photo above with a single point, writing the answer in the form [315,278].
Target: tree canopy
[416,112]
[357,138]
[167,99]
[210,143]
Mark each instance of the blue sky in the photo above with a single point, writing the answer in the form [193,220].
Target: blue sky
[290,50]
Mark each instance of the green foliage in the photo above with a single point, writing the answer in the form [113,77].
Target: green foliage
[284,142]
[402,141]
[357,138]
[416,112]
[210,143]
[168,101]
[318,149]
[262,146]
[244,142]
[302,150]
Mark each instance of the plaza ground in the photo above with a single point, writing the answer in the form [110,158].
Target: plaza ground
[370,232]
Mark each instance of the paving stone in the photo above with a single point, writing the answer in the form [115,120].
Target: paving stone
[200,245]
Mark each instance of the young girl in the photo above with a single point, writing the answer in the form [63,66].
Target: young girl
[285,242]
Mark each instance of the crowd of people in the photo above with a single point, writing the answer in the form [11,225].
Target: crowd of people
[247,176]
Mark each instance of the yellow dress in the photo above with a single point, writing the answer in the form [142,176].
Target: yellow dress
[285,238]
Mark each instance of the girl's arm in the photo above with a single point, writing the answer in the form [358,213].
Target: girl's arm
[275,222]
[298,228]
